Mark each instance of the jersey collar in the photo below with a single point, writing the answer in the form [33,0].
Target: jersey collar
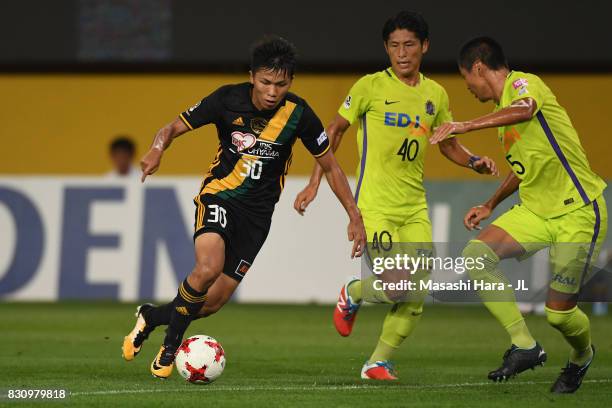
[389,71]
[497,105]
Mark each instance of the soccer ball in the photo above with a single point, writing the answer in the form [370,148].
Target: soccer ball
[200,359]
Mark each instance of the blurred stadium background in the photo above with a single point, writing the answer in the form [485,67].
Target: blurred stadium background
[76,73]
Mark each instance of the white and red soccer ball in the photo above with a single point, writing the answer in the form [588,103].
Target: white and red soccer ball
[200,359]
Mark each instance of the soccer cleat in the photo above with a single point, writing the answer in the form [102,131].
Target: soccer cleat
[132,343]
[345,311]
[379,370]
[161,366]
[516,360]
[571,377]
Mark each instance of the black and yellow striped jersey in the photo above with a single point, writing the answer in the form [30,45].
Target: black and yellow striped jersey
[255,146]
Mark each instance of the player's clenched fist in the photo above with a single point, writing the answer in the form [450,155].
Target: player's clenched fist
[475,215]
[150,162]
[486,165]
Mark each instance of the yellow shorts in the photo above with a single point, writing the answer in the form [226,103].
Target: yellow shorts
[574,239]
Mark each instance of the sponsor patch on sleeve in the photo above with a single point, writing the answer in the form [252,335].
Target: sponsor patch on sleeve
[519,83]
[194,107]
[347,102]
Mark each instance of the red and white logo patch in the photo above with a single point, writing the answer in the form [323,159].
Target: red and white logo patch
[243,141]
[519,83]
[243,268]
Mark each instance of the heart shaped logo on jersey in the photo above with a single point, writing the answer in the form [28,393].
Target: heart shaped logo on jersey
[243,141]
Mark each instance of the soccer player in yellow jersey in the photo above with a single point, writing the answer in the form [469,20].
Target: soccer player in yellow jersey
[397,109]
[562,206]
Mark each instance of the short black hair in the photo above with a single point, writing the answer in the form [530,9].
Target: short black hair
[483,49]
[409,20]
[273,53]
[124,143]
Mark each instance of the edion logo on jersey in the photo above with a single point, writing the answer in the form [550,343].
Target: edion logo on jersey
[402,120]
[243,141]
[519,83]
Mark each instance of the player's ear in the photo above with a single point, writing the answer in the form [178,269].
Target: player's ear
[386,47]
[425,45]
[251,77]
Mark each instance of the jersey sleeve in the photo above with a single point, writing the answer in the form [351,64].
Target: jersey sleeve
[310,130]
[522,86]
[357,101]
[444,114]
[204,112]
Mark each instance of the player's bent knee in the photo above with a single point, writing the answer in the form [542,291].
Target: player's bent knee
[560,319]
[484,258]
[205,273]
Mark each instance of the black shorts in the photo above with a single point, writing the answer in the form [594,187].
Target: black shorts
[243,232]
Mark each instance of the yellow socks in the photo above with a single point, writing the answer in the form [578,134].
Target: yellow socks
[501,304]
[574,326]
[354,291]
[399,323]
[520,335]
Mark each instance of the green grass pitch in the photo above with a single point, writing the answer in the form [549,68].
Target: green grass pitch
[286,356]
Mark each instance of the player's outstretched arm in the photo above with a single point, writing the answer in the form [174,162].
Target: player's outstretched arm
[164,137]
[339,185]
[482,212]
[520,111]
[334,131]
[459,154]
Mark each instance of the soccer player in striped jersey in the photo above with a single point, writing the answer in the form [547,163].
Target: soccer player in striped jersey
[562,206]
[257,124]
[397,109]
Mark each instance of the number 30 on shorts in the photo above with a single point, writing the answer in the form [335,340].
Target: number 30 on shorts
[217,215]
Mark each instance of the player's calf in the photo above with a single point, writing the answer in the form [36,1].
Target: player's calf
[218,295]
